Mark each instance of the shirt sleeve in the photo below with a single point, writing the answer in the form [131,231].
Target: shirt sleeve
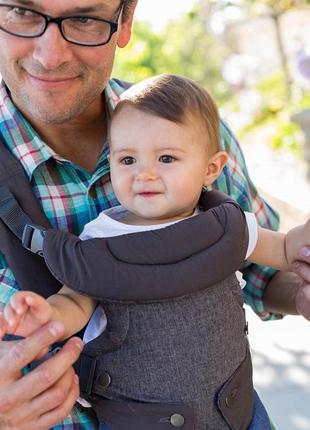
[236,182]
[253,232]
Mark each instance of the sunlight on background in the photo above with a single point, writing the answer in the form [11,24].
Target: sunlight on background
[160,11]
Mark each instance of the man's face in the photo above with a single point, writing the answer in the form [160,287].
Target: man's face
[50,79]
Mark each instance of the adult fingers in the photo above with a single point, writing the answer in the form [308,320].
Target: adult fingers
[50,406]
[17,354]
[304,254]
[303,301]
[43,377]
[54,416]
[302,268]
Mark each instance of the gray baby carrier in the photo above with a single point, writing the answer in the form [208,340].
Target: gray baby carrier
[175,351]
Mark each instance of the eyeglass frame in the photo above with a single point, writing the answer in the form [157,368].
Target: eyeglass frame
[59,19]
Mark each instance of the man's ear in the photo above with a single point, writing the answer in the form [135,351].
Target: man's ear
[126,26]
[215,166]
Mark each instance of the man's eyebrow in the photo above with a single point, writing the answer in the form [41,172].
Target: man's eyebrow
[24,3]
[98,7]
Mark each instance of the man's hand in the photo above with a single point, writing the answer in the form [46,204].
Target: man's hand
[302,268]
[46,395]
[289,292]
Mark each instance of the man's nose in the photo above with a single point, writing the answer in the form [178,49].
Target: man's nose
[51,49]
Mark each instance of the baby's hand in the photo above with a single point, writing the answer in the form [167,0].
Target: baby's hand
[25,313]
[297,240]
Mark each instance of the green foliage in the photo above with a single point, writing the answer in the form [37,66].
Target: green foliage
[275,113]
[184,47]
[277,7]
[287,135]
[142,57]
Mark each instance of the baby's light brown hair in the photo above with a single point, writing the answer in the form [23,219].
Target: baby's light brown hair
[177,99]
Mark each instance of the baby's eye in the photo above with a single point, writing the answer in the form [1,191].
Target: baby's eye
[128,160]
[167,159]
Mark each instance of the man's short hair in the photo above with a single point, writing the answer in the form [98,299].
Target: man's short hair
[127,5]
[178,99]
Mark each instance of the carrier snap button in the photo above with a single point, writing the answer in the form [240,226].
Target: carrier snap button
[231,397]
[177,420]
[104,380]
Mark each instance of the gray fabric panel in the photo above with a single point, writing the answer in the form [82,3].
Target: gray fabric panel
[182,350]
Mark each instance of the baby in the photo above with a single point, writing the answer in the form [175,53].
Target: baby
[158,173]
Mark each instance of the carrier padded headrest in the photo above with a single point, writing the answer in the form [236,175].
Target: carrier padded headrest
[170,262]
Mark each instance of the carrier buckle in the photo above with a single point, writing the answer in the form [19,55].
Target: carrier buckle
[32,239]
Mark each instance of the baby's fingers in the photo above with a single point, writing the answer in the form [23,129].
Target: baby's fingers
[3,325]
[19,302]
[12,319]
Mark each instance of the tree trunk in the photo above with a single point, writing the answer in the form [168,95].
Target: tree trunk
[283,57]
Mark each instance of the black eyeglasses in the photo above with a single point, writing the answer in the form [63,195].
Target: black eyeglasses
[80,30]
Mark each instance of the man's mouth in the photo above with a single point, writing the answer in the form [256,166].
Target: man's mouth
[50,81]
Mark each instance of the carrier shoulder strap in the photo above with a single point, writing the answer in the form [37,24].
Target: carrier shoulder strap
[29,270]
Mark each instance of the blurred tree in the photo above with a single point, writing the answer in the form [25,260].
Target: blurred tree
[191,49]
[183,47]
[274,9]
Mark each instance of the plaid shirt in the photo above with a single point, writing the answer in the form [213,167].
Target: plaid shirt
[71,197]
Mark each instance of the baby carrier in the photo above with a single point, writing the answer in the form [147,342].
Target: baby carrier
[175,351]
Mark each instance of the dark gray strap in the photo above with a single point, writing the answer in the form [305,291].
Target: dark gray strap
[11,213]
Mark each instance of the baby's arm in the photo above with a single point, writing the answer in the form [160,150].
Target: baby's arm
[72,309]
[28,311]
[279,250]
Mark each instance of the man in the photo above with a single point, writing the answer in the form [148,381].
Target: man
[53,119]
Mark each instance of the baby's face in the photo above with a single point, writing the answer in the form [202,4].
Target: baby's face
[158,167]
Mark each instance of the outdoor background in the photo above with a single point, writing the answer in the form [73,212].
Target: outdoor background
[254,57]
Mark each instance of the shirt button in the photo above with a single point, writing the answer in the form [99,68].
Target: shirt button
[104,380]
[177,420]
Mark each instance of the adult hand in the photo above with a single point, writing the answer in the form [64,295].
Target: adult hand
[289,292]
[302,268]
[44,396]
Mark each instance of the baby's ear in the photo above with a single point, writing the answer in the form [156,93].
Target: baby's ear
[215,166]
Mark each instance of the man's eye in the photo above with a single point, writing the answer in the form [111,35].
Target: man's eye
[21,12]
[128,160]
[167,159]
[82,20]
